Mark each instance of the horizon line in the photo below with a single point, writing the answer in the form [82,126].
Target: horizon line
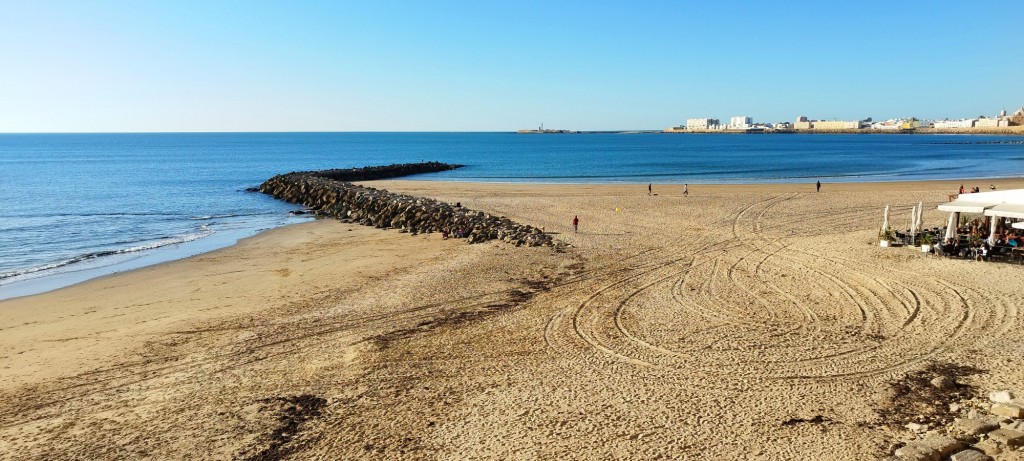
[514,131]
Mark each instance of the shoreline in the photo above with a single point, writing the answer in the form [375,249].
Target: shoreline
[739,182]
[48,282]
[1013,182]
[178,273]
[72,274]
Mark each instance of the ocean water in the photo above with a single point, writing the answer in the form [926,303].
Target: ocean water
[75,205]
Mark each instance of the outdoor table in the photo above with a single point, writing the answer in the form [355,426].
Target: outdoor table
[1017,254]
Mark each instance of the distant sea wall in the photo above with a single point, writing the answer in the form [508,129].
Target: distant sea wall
[330,193]
[1008,130]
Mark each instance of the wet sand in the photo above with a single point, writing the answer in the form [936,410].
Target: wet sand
[740,322]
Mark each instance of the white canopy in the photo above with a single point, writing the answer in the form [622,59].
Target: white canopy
[1006,210]
[980,201]
[964,206]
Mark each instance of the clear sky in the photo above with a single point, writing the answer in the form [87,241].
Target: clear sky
[379,65]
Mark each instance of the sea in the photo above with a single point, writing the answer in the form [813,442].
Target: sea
[79,206]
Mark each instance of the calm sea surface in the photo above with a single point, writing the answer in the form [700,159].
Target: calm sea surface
[74,203]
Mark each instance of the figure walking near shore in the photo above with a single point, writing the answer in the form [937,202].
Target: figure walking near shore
[686,190]
[819,186]
[649,189]
[575,223]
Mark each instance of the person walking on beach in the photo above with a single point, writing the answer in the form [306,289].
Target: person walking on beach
[686,190]
[649,190]
[819,186]
[575,223]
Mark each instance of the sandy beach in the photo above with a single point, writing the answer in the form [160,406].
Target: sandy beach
[739,322]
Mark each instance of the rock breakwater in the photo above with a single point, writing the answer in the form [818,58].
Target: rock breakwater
[371,173]
[329,193]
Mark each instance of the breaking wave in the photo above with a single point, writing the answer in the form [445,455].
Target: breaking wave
[203,232]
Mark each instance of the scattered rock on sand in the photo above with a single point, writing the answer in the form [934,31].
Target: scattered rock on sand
[934,447]
[970,455]
[1007,409]
[974,427]
[1008,437]
[1014,424]
[1000,396]
[943,382]
[988,447]
[916,427]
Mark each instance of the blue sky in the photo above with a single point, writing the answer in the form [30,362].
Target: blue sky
[114,66]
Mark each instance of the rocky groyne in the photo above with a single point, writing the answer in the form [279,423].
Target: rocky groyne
[371,173]
[330,193]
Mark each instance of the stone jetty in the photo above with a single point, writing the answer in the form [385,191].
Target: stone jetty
[331,193]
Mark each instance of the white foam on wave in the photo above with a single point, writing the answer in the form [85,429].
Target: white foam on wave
[204,231]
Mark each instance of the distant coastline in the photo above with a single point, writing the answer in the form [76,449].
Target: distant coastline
[1005,131]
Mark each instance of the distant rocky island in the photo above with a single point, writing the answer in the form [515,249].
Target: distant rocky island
[541,130]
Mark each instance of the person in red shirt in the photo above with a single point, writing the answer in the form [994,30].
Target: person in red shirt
[575,223]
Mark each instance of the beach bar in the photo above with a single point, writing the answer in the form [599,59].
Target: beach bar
[994,205]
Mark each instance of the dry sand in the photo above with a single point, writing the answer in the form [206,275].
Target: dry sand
[741,322]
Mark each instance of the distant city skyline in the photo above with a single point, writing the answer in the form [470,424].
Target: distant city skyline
[460,66]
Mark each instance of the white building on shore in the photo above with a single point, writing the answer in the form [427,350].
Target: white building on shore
[891,124]
[803,123]
[702,124]
[741,122]
[992,122]
[962,123]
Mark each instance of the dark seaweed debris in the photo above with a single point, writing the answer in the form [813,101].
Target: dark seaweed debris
[915,399]
[817,419]
[298,410]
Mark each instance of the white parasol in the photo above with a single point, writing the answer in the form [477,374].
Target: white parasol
[920,215]
[885,219]
[913,220]
[951,226]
